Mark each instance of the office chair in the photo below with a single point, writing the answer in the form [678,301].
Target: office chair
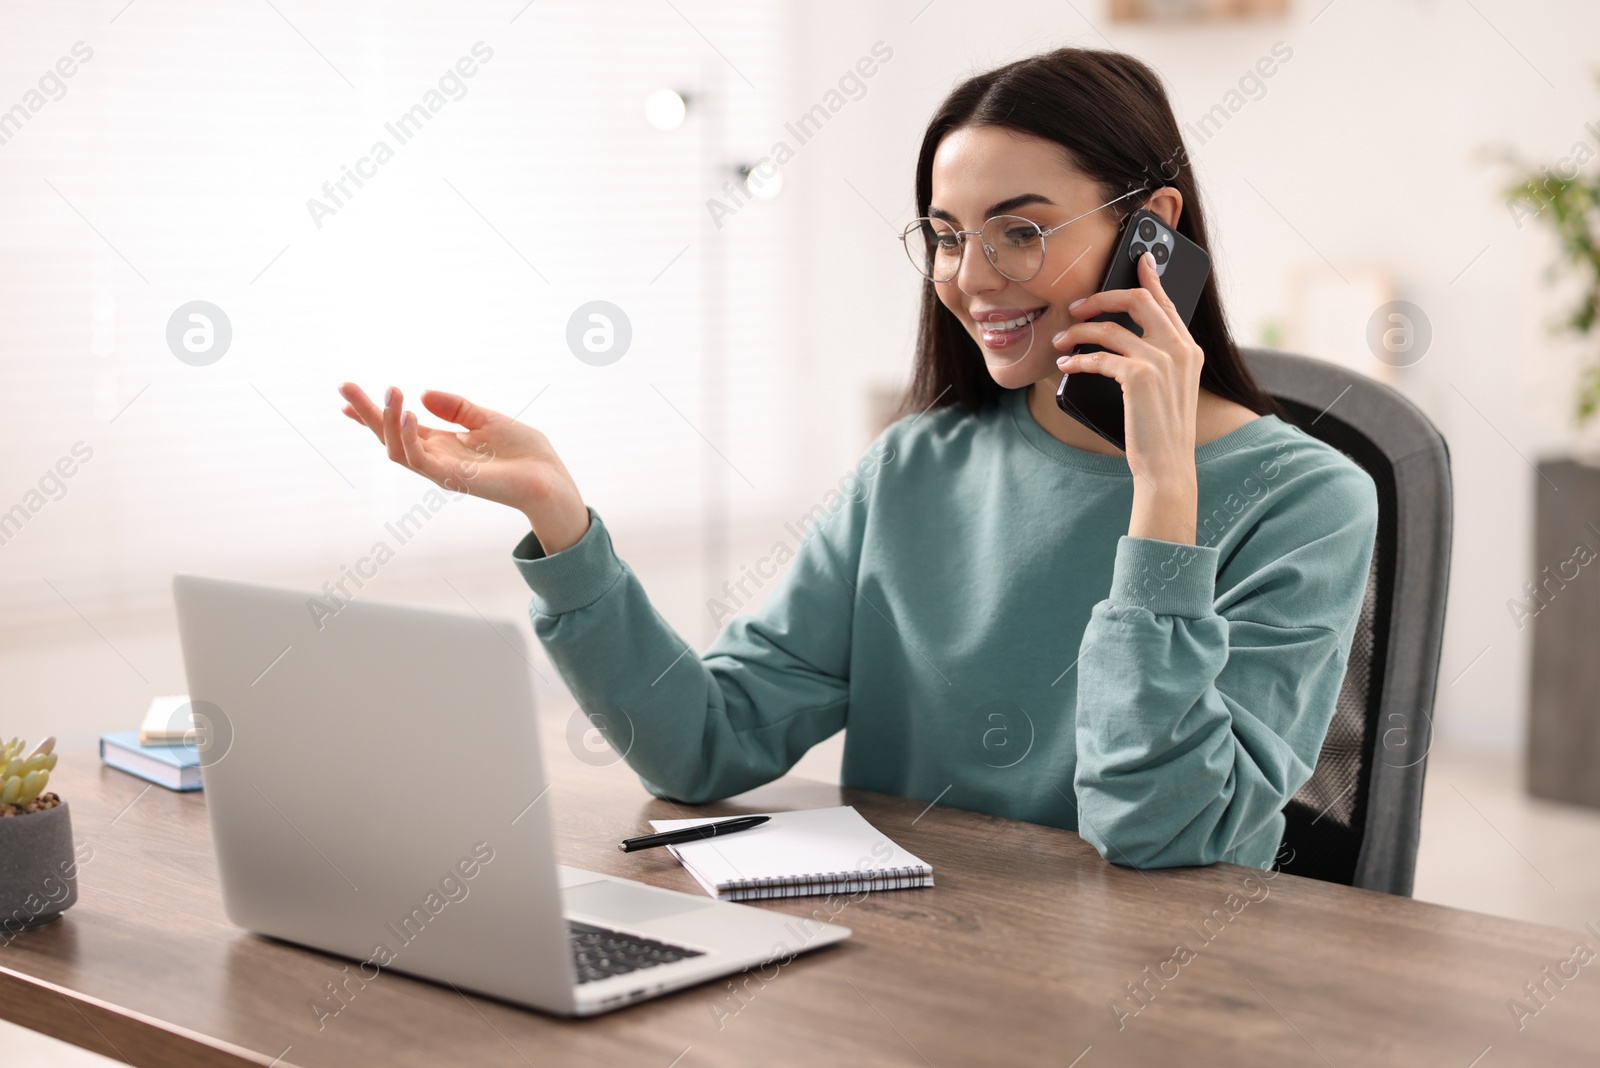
[1357,820]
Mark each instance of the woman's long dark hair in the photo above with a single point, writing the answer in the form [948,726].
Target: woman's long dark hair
[1111,114]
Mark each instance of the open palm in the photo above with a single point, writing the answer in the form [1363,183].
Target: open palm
[493,456]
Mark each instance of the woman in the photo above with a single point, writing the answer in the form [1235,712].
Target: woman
[1011,616]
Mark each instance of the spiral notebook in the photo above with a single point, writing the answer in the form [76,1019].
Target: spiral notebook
[808,851]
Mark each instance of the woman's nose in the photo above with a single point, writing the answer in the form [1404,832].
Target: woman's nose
[976,274]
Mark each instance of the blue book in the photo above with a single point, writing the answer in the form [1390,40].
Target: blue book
[177,767]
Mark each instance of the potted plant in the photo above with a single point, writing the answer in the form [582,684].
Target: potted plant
[1567,201]
[1561,605]
[38,870]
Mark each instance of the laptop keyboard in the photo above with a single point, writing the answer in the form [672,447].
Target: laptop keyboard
[599,953]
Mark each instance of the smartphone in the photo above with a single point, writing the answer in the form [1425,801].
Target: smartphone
[1183,267]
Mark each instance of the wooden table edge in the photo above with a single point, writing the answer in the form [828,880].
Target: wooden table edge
[113,1031]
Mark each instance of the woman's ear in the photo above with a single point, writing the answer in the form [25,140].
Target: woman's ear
[1166,204]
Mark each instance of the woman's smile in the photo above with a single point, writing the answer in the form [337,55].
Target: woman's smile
[1004,327]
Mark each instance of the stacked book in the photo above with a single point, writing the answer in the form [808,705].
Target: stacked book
[162,750]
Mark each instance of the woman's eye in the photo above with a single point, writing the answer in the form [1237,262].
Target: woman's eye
[1019,236]
[946,242]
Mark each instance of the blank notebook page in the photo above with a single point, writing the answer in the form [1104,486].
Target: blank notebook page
[809,851]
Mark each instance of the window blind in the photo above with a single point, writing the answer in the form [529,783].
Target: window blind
[231,155]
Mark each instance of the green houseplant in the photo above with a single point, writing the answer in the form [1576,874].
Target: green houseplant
[1570,208]
[1559,604]
[38,870]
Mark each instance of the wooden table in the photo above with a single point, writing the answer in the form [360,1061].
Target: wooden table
[1016,957]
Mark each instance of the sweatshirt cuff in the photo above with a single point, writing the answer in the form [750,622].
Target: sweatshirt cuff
[1165,577]
[573,578]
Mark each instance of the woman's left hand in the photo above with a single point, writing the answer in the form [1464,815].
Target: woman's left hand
[1160,378]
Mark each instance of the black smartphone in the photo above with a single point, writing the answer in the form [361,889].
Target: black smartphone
[1183,267]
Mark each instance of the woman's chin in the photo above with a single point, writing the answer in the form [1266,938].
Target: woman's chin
[1027,359]
[1016,370]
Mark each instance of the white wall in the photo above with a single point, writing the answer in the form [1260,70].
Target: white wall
[1364,142]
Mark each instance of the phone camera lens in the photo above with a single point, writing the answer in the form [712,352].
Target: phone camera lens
[1160,253]
[1136,250]
[1147,230]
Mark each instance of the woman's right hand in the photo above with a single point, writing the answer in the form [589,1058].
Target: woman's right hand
[494,457]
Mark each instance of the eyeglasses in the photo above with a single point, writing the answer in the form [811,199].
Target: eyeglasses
[1014,245]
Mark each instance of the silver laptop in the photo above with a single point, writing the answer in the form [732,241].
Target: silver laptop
[375,789]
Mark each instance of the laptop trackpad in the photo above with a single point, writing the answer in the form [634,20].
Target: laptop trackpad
[628,902]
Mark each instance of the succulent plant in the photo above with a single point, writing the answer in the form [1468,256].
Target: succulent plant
[23,778]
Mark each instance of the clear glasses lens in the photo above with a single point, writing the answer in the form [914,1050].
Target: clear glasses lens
[933,247]
[1014,245]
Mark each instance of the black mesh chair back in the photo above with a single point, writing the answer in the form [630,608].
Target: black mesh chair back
[1358,819]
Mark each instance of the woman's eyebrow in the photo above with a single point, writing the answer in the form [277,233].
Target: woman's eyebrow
[1003,207]
[1013,203]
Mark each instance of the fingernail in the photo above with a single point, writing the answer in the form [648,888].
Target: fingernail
[1149,259]
[388,396]
[1058,338]
[1062,363]
[1074,305]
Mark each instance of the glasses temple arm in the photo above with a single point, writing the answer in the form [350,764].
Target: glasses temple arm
[1091,211]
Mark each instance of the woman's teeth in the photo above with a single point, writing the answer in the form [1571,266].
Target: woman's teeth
[1011,324]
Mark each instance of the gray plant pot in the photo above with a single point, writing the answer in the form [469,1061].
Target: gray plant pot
[38,869]
[1562,608]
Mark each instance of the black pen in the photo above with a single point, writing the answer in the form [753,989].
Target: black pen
[692,834]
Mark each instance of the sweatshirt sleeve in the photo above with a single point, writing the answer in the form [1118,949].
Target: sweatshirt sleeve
[698,728]
[1204,697]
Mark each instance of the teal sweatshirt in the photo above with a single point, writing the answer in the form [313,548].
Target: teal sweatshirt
[970,610]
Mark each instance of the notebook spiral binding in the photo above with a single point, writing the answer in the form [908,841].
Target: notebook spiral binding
[838,882]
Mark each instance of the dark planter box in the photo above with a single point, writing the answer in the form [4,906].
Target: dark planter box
[38,870]
[1563,610]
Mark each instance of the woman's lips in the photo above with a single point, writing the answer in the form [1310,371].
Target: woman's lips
[1001,339]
